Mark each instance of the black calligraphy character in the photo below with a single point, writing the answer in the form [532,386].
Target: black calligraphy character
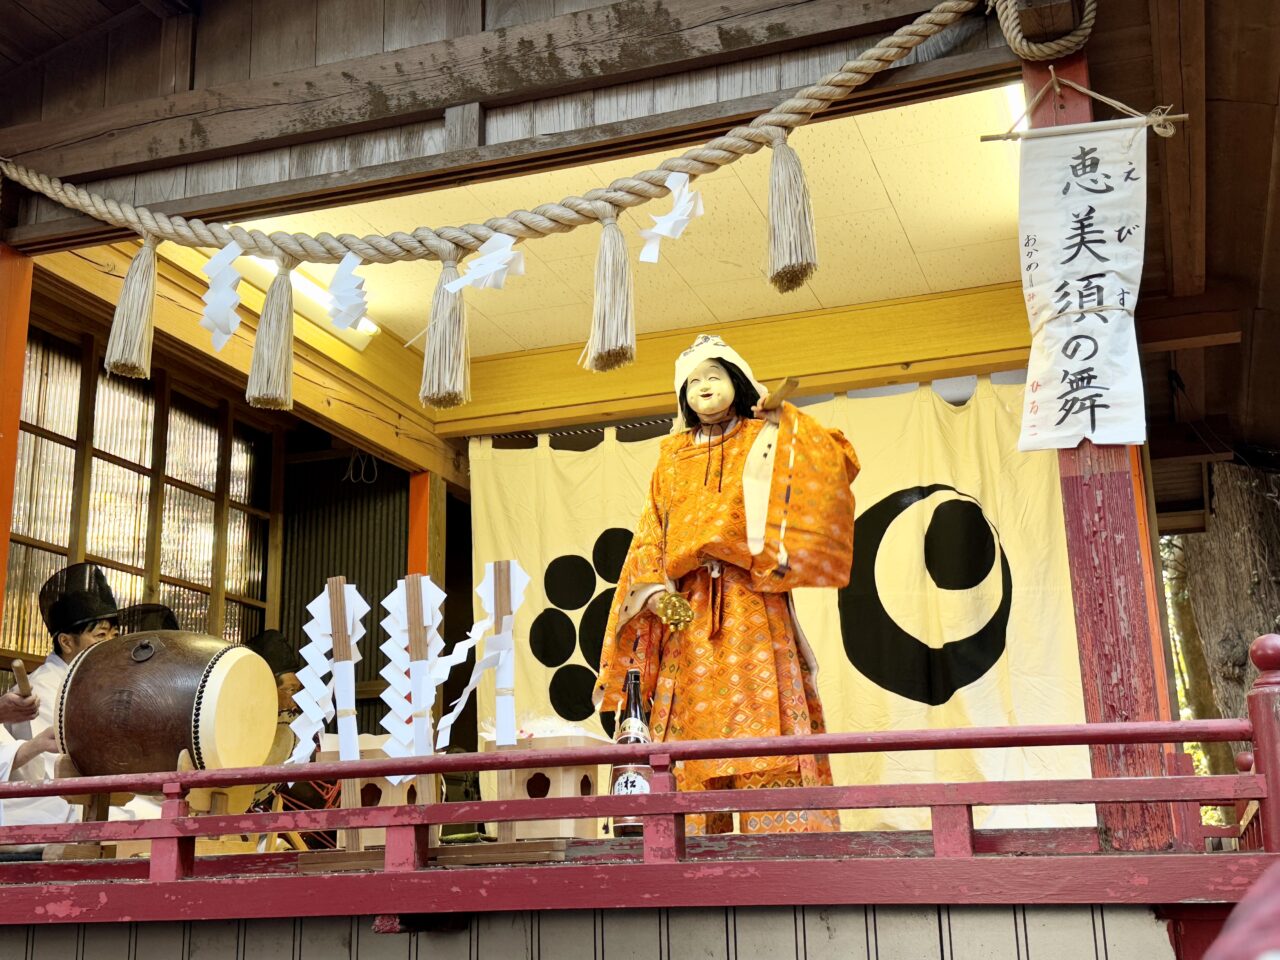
[1085,236]
[1123,295]
[1085,172]
[1131,175]
[1125,232]
[1077,400]
[1079,343]
[1080,405]
[1090,294]
[1063,298]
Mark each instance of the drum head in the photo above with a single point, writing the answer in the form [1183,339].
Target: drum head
[235,718]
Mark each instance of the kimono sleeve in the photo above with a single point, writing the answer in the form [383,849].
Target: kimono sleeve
[633,636]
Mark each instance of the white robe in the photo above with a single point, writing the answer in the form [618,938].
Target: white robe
[46,683]
[22,810]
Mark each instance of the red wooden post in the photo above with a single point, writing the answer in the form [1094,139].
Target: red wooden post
[1113,578]
[15,313]
[419,512]
[663,835]
[952,830]
[407,848]
[172,858]
[1264,712]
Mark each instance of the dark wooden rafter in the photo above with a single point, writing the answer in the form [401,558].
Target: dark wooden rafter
[626,41]
[463,163]
[1046,19]
[1178,58]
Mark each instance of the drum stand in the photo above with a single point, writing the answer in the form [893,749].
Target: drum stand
[96,808]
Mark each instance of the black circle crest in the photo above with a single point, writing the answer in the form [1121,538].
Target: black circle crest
[959,550]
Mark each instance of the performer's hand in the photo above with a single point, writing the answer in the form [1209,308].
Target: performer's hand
[769,416]
[46,741]
[15,708]
[671,608]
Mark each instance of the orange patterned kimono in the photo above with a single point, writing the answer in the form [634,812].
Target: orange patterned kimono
[741,668]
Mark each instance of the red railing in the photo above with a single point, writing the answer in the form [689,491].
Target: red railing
[955,865]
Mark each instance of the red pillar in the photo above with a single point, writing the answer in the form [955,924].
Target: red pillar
[1113,577]
[15,313]
[419,522]
[1264,714]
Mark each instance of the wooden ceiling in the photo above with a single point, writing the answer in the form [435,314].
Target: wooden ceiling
[32,30]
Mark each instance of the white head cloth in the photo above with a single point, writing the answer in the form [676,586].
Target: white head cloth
[708,347]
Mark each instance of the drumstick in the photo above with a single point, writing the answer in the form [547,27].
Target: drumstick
[20,677]
[779,393]
[21,731]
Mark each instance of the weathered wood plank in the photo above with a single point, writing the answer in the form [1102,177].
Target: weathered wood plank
[626,41]
[284,38]
[346,29]
[682,122]
[223,43]
[134,59]
[74,80]
[1178,48]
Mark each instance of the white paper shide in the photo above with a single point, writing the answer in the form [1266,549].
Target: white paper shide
[1082,219]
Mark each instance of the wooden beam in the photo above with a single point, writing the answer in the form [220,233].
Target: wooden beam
[1178,59]
[622,42]
[349,394]
[15,314]
[1207,440]
[899,341]
[1188,331]
[1047,19]
[903,84]
[1113,582]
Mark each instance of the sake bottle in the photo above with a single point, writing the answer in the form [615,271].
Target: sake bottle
[631,778]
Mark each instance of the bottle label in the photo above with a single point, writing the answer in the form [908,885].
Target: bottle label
[634,727]
[630,783]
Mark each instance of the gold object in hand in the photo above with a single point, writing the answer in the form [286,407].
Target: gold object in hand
[675,611]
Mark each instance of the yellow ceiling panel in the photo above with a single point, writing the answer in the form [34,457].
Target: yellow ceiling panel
[974,266]
[839,169]
[964,115]
[755,297]
[487,336]
[707,252]
[864,257]
[548,326]
[954,192]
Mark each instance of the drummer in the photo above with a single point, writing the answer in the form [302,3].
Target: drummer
[79,610]
[20,760]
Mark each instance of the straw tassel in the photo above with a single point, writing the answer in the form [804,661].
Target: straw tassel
[271,374]
[793,246]
[613,328]
[446,359]
[132,328]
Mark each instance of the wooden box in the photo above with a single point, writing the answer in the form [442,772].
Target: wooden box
[578,781]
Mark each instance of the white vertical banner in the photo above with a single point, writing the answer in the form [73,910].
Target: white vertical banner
[1082,218]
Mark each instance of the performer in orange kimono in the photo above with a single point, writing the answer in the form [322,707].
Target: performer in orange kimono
[745,504]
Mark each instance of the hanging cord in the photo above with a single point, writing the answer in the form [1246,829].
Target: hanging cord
[361,468]
[1159,119]
[424,243]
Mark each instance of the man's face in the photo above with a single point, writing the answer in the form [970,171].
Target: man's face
[73,643]
[709,390]
[287,684]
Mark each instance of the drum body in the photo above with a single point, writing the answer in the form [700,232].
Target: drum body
[133,704]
